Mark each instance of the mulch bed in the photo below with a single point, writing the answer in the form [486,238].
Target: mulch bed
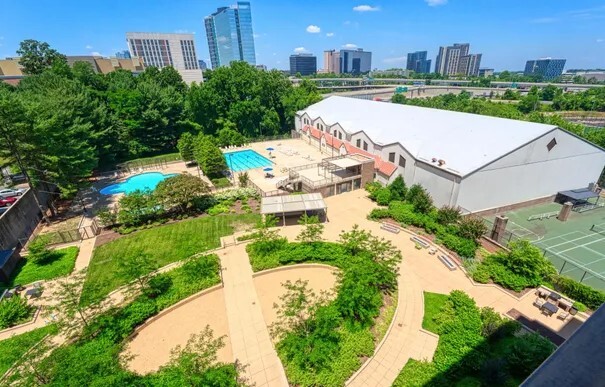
[536,326]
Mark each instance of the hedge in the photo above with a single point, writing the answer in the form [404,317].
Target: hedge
[582,293]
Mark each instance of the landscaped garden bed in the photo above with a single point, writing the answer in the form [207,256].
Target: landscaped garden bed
[323,341]
[476,346]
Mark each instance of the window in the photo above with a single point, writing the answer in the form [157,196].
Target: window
[365,146]
[392,157]
[358,143]
[339,135]
[401,162]
[551,144]
[335,133]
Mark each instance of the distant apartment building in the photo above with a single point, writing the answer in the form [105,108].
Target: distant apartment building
[11,71]
[305,64]
[355,61]
[202,64]
[125,54]
[547,68]
[162,50]
[418,63]
[456,60]
[229,33]
[261,67]
[331,61]
[486,72]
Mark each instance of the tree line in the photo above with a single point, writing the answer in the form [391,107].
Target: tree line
[64,122]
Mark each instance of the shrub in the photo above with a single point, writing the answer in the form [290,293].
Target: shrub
[379,213]
[472,227]
[398,189]
[420,198]
[494,372]
[236,194]
[372,187]
[157,285]
[481,274]
[383,196]
[527,353]
[218,209]
[107,216]
[221,182]
[464,247]
[448,215]
[494,327]
[13,311]
[582,293]
[580,307]
[38,251]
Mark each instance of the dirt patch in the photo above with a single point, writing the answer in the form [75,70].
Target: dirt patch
[107,236]
[245,206]
[383,316]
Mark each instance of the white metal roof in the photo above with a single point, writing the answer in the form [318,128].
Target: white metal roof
[465,141]
[292,203]
[345,162]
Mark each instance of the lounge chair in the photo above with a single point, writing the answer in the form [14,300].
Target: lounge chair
[563,315]
[539,302]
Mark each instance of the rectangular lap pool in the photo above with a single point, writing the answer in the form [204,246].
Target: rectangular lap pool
[246,159]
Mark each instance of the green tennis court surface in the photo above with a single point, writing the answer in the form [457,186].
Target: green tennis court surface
[575,247]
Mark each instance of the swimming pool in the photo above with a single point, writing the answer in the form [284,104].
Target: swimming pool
[142,181]
[246,159]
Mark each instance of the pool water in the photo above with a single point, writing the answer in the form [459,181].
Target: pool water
[246,159]
[142,181]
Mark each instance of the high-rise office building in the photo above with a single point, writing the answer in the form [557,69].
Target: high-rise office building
[332,61]
[418,63]
[202,64]
[305,64]
[486,72]
[355,61]
[162,50]
[230,37]
[125,54]
[547,68]
[453,60]
[469,65]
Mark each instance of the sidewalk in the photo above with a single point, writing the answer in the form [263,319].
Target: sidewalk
[249,336]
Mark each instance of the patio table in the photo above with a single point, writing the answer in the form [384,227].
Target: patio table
[554,296]
[33,292]
[550,308]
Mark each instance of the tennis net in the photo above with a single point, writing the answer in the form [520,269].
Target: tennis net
[598,228]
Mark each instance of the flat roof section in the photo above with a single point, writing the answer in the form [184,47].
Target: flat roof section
[345,162]
[292,203]
[580,194]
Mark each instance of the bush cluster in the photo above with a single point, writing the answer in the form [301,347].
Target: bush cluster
[584,294]
[339,334]
[14,311]
[476,346]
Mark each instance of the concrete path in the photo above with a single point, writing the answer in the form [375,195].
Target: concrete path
[248,333]
[85,254]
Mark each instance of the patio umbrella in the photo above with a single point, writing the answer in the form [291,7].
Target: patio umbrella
[270,149]
[268,169]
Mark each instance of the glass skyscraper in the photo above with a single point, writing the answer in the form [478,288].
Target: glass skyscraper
[230,37]
[547,68]
[418,63]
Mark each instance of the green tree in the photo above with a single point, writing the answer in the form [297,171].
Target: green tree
[549,92]
[511,94]
[35,56]
[138,207]
[528,261]
[228,135]
[244,179]
[449,215]
[527,353]
[186,146]
[13,311]
[137,265]
[398,189]
[398,98]
[181,191]
[420,198]
[312,229]
[209,156]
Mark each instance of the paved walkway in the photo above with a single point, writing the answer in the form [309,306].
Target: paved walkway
[249,336]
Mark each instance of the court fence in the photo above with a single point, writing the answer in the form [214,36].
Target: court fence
[563,265]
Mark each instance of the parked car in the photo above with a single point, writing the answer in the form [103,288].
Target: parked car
[5,202]
[9,192]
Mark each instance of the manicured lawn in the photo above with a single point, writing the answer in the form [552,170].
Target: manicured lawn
[164,244]
[27,271]
[433,302]
[12,349]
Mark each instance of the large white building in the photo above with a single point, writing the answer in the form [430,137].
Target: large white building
[162,50]
[473,161]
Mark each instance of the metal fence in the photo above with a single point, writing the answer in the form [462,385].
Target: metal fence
[73,235]
[564,266]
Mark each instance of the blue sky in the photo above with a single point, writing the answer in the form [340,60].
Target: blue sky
[506,32]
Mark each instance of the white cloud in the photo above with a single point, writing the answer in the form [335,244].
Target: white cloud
[184,32]
[349,46]
[399,59]
[313,29]
[600,40]
[349,23]
[1,37]
[96,53]
[88,47]
[274,53]
[300,50]
[435,3]
[365,8]
[330,34]
[222,39]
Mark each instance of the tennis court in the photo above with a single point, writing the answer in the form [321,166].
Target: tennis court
[576,247]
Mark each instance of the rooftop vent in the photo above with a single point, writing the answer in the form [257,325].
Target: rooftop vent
[441,162]
[434,159]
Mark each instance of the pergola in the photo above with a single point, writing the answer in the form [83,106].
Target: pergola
[577,196]
[288,205]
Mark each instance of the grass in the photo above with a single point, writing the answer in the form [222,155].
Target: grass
[221,182]
[168,157]
[164,244]
[12,349]
[386,316]
[27,271]
[433,303]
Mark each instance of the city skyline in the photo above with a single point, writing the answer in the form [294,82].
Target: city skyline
[520,32]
